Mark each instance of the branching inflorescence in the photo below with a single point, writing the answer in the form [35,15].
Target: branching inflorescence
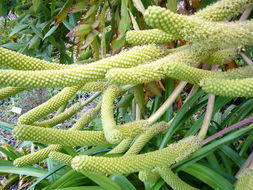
[209,42]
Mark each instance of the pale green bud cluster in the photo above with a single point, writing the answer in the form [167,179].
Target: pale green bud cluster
[112,134]
[9,91]
[173,180]
[145,137]
[132,129]
[36,156]
[193,29]
[128,164]
[60,157]
[174,65]
[18,61]
[223,9]
[49,106]
[213,43]
[222,56]
[215,12]
[226,87]
[60,117]
[86,118]
[121,147]
[81,74]
[138,37]
[43,153]
[245,180]
[59,136]
[94,86]
[149,176]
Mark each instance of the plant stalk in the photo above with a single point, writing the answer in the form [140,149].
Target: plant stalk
[153,118]
[228,129]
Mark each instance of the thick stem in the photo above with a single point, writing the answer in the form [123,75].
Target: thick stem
[247,163]
[208,116]
[209,112]
[246,14]
[153,118]
[228,129]
[193,91]
[246,59]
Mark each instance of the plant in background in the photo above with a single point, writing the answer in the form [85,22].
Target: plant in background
[191,153]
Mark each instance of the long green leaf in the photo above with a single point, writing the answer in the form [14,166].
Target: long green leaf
[17,29]
[83,188]
[102,180]
[201,153]
[6,126]
[209,177]
[46,176]
[179,116]
[123,182]
[7,167]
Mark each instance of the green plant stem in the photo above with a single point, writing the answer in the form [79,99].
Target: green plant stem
[208,116]
[247,164]
[193,91]
[246,14]
[209,113]
[153,118]
[246,59]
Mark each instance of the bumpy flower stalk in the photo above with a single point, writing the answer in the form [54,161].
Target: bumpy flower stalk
[194,75]
[76,138]
[81,74]
[131,129]
[19,61]
[215,12]
[59,136]
[223,9]
[149,176]
[49,106]
[193,29]
[43,153]
[128,164]
[230,88]
[38,156]
[222,56]
[157,70]
[121,147]
[112,134]
[95,86]
[9,91]
[86,118]
[138,37]
[184,72]
[144,138]
[67,113]
[173,66]
[60,157]
[173,180]
[245,180]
